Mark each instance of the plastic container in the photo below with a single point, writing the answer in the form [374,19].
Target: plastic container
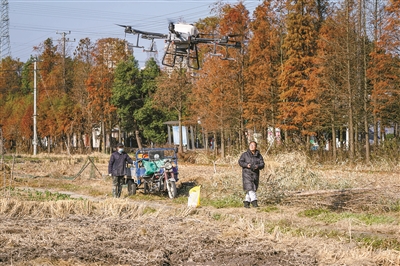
[194,197]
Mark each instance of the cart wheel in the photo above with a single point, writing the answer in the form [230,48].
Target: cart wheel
[146,188]
[131,187]
[172,192]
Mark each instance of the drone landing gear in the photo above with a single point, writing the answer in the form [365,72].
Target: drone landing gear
[175,54]
[223,57]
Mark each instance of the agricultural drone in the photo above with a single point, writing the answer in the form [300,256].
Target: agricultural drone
[181,43]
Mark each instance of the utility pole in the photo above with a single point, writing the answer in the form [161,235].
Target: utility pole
[34,108]
[64,40]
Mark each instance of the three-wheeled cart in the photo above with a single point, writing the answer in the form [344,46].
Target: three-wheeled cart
[154,170]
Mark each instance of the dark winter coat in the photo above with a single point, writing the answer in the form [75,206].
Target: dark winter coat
[117,163]
[251,175]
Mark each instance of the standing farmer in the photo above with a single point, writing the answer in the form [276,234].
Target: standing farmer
[251,162]
[117,168]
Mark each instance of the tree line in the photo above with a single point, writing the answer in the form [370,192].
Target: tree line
[313,69]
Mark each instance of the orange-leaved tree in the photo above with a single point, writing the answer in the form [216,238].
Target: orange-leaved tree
[107,53]
[11,96]
[214,100]
[330,61]
[49,90]
[262,95]
[384,68]
[172,93]
[234,23]
[299,108]
[83,62]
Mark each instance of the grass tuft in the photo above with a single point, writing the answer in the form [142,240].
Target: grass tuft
[223,202]
[330,217]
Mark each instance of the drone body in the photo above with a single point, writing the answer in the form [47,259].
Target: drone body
[181,43]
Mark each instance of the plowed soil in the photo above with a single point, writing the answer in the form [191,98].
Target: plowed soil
[165,241]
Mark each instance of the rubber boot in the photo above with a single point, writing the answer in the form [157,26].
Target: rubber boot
[119,191]
[254,203]
[246,204]
[115,191]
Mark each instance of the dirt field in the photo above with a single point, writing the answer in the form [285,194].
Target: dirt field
[334,216]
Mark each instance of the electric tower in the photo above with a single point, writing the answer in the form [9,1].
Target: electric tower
[5,49]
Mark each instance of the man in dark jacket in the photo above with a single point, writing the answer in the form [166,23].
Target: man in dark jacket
[251,162]
[117,168]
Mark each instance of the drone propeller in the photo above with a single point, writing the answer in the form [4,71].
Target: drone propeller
[124,26]
[128,29]
[171,24]
[171,28]
[171,21]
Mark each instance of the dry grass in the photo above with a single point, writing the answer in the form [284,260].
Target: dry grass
[90,228]
[120,230]
[110,208]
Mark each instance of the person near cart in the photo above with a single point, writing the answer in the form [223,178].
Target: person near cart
[117,169]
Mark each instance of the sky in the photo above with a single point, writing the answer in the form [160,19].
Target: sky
[31,22]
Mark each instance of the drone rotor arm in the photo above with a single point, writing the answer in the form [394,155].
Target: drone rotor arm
[205,40]
[152,36]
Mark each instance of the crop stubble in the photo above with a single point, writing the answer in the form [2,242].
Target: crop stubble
[129,232]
